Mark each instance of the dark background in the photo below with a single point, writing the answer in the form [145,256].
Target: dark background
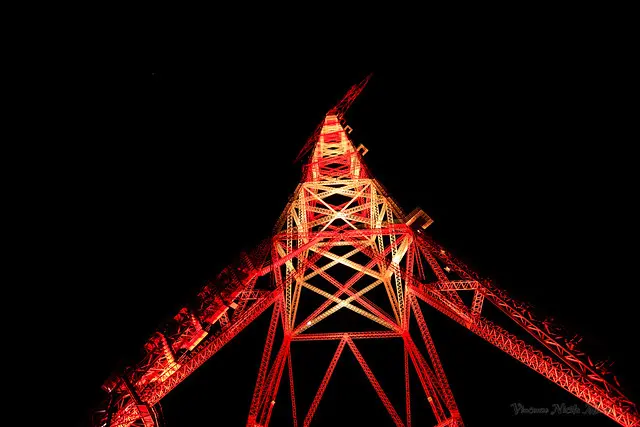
[520,150]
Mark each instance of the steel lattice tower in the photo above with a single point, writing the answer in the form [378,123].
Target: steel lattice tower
[343,238]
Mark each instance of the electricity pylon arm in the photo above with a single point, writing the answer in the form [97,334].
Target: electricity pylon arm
[553,360]
[223,309]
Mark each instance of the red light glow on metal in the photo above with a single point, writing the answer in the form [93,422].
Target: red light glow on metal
[341,217]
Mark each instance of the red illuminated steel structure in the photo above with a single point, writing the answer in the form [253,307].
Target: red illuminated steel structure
[341,219]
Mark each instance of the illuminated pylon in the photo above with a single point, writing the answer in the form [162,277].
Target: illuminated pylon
[342,238]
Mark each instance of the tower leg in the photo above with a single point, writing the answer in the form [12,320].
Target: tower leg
[406,385]
[445,390]
[264,365]
[268,399]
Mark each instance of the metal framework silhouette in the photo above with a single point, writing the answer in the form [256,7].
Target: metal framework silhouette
[342,238]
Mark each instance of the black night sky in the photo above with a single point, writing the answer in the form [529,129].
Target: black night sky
[520,152]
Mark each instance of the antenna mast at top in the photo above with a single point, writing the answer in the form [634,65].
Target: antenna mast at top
[339,110]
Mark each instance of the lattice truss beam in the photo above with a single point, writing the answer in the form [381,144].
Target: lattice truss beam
[342,239]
